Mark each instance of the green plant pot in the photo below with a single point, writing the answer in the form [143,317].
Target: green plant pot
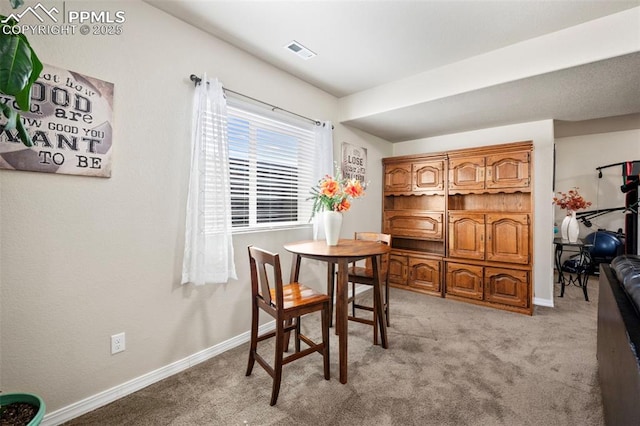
[10,398]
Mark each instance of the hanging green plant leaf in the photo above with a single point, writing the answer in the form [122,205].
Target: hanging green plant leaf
[19,69]
[11,115]
[22,132]
[23,98]
[15,64]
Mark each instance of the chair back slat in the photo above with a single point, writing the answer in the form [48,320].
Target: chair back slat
[265,288]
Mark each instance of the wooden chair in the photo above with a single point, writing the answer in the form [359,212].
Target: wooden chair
[286,304]
[364,275]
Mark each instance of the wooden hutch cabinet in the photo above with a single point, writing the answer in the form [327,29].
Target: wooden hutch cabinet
[461,224]
[414,214]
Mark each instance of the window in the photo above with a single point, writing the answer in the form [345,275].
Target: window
[272,168]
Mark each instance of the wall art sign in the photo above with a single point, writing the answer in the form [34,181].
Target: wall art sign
[70,122]
[354,162]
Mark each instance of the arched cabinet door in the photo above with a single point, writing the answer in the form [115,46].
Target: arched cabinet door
[466,174]
[466,235]
[507,238]
[428,176]
[507,287]
[424,274]
[397,178]
[511,170]
[398,269]
[464,280]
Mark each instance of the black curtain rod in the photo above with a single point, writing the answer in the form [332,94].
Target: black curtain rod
[197,80]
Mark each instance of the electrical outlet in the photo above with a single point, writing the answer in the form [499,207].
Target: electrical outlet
[117,343]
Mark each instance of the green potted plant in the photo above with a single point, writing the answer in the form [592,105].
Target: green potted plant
[21,409]
[19,69]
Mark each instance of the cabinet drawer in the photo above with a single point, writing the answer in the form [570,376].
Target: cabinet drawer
[413,224]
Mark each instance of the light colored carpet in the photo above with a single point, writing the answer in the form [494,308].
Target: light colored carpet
[448,363]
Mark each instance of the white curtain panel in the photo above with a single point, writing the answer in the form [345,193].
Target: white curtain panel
[324,154]
[208,251]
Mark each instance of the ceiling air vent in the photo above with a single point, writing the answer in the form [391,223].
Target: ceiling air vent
[300,50]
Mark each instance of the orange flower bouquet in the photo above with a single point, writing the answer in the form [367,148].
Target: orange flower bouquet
[335,193]
[571,200]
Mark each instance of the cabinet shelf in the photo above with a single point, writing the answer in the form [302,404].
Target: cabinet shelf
[432,202]
[421,246]
[516,202]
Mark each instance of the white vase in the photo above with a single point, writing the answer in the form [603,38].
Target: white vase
[564,227]
[332,224]
[573,229]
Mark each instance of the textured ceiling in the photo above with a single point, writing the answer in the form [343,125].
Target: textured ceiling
[596,90]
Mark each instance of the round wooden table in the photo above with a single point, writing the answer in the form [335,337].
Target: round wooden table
[345,252]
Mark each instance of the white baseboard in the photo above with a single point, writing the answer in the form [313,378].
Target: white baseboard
[543,302]
[106,397]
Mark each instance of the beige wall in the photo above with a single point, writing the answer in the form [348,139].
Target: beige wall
[541,133]
[84,258]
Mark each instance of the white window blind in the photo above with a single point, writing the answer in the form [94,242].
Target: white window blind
[272,168]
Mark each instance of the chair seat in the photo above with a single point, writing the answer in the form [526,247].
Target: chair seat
[296,295]
[362,272]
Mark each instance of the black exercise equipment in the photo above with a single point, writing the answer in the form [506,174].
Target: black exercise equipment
[630,180]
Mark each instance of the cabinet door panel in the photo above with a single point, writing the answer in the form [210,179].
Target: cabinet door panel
[466,173]
[397,178]
[398,269]
[506,286]
[425,274]
[466,235]
[508,170]
[428,176]
[413,224]
[507,238]
[464,281]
